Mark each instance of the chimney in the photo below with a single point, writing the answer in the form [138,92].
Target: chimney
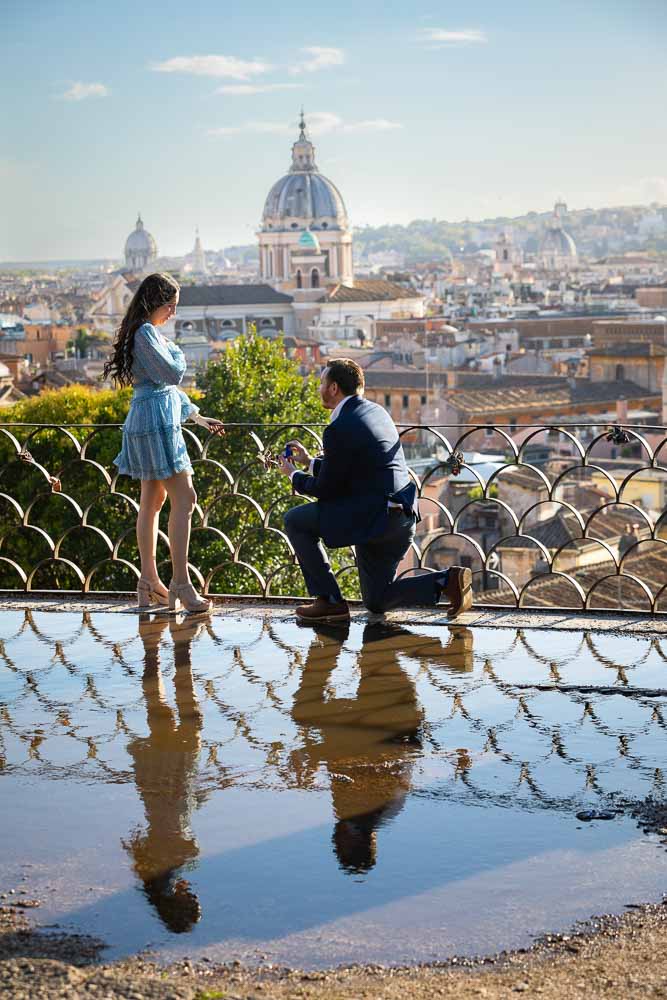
[621,410]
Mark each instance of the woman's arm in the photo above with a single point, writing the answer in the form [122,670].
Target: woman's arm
[156,358]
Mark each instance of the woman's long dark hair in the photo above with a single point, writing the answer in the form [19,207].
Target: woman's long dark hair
[154,291]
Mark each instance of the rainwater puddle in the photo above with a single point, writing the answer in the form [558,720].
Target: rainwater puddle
[251,789]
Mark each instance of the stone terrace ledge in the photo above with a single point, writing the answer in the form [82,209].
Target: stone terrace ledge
[280,608]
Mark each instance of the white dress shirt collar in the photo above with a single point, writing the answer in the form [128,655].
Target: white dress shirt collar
[336,410]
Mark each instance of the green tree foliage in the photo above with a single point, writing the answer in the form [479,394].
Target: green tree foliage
[477,493]
[57,453]
[254,383]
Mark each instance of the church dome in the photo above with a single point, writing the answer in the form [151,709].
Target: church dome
[140,245]
[304,195]
[557,241]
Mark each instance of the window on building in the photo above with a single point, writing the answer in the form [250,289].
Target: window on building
[387,400]
[620,373]
[512,424]
[266,322]
[489,432]
[422,400]
[314,278]
[406,400]
[227,323]
[299,280]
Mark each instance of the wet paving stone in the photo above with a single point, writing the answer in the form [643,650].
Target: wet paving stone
[238,787]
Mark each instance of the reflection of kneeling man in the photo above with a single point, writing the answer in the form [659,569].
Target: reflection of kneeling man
[365,498]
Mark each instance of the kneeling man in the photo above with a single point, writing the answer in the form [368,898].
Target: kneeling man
[364,497]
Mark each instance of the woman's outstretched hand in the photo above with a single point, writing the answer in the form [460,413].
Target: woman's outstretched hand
[210,424]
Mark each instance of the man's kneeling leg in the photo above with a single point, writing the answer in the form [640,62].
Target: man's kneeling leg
[302,529]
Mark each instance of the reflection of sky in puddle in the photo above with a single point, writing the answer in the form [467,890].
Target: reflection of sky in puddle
[243,788]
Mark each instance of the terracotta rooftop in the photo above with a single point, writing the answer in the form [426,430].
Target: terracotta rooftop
[499,395]
[554,591]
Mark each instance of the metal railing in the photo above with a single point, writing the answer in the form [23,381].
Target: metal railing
[560,516]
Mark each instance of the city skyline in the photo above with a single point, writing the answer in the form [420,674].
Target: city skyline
[190,116]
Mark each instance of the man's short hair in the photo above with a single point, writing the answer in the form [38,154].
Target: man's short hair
[347,374]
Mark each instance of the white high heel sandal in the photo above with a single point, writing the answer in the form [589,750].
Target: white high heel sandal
[185,594]
[147,595]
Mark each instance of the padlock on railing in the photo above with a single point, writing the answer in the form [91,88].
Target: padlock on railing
[454,463]
[617,435]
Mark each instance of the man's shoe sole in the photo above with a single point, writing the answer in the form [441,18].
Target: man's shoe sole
[465,602]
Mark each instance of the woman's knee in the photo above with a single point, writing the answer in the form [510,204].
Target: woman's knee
[152,501]
[184,500]
[190,500]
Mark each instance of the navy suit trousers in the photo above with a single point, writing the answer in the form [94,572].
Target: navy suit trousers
[377,562]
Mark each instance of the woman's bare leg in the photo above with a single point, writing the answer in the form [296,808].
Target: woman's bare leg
[153,495]
[182,499]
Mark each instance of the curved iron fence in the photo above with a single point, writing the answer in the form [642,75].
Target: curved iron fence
[567,516]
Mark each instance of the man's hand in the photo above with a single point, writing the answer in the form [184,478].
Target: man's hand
[285,466]
[299,453]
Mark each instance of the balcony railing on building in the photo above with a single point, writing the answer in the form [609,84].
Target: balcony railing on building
[570,516]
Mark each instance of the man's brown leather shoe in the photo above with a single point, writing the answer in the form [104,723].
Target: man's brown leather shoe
[323,610]
[458,590]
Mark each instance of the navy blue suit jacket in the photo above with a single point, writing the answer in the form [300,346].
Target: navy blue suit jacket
[363,467]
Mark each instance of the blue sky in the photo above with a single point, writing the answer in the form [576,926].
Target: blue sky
[187,112]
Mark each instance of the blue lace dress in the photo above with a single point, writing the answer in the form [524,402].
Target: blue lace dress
[153,445]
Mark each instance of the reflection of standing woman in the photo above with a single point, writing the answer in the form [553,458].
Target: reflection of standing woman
[153,447]
[165,765]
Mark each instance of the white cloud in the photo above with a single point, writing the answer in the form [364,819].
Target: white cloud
[248,89]
[319,57]
[443,37]
[224,66]
[372,125]
[80,91]
[318,123]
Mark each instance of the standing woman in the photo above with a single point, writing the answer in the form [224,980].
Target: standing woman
[153,447]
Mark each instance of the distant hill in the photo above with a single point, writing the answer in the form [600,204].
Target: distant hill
[597,232]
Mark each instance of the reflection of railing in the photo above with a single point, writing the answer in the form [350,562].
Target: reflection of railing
[547,524]
[513,745]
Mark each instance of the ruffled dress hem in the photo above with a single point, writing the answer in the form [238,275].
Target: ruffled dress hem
[153,446]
